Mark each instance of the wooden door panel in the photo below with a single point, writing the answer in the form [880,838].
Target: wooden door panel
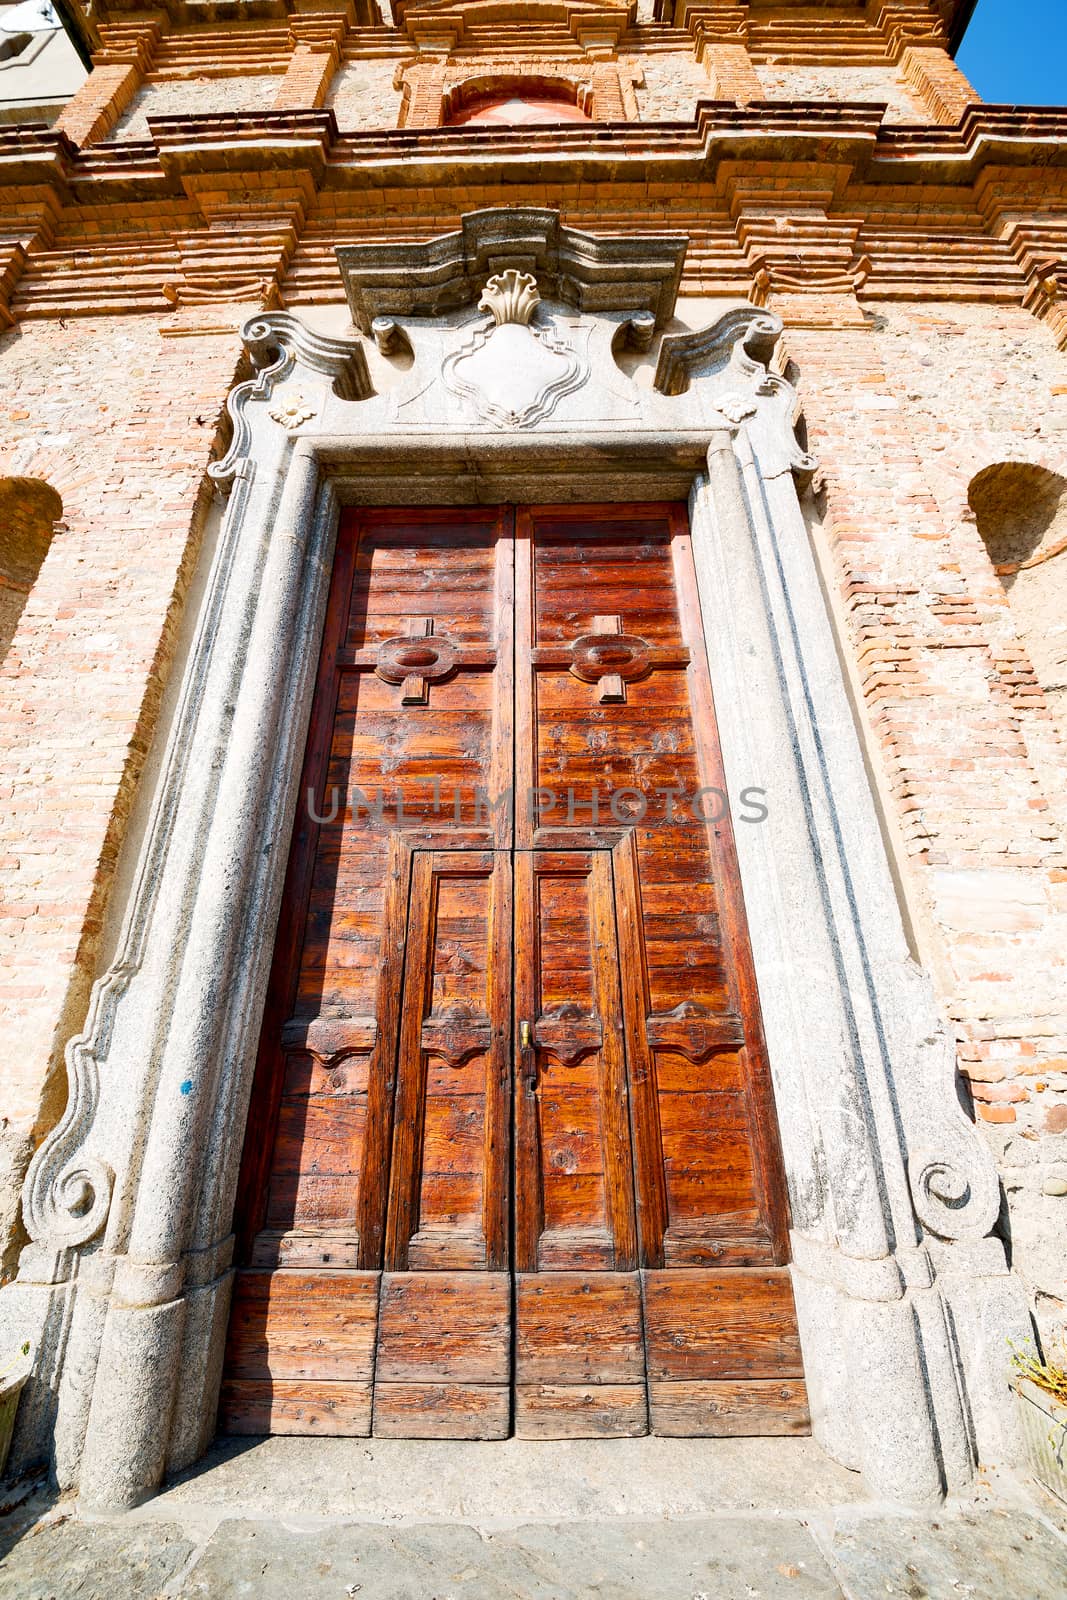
[631,758]
[377,768]
[574,1178]
[723,1352]
[579,1356]
[300,1353]
[426,1178]
[448,1190]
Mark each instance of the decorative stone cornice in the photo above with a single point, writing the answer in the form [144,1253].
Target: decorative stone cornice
[620,274]
[741,342]
[681,354]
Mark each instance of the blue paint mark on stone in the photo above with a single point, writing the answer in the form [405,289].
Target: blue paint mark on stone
[187,1086]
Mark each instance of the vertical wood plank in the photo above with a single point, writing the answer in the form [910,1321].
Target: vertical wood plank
[381,1089]
[618,1161]
[528,1199]
[497,1158]
[644,1103]
[402,1216]
[525,724]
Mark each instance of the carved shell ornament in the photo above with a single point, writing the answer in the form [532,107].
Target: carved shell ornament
[511,296]
[511,372]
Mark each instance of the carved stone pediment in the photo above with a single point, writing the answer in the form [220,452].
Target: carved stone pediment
[577,269]
[511,324]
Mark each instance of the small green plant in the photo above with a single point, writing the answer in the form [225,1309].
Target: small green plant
[13,1361]
[1048,1375]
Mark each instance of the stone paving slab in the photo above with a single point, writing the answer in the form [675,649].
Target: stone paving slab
[583,1520]
[515,1481]
[994,1553]
[726,1559]
[67,1559]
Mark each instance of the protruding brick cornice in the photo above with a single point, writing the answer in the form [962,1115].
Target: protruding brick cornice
[904,23]
[193,13]
[118,72]
[852,137]
[128,44]
[267,141]
[272,165]
[12,262]
[720,32]
[318,40]
[597,26]
[947,16]
[37,156]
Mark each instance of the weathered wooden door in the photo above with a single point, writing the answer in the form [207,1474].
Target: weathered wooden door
[511,1162]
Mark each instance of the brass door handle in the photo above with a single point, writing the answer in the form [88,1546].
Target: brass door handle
[529,1057]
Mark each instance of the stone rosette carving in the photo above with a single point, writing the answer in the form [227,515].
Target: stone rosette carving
[292,408]
[736,407]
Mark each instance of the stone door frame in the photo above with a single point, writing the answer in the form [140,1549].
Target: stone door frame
[903,1293]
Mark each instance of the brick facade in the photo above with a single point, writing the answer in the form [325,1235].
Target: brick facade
[918,262]
[81,679]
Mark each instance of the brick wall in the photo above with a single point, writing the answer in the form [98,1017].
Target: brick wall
[29,510]
[120,422]
[189,96]
[880,84]
[673,85]
[903,418]
[362,95]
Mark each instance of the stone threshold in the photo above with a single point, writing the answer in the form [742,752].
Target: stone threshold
[640,1519]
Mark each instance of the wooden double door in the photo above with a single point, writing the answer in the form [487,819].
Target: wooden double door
[511,1161]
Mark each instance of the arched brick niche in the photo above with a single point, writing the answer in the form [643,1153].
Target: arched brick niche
[1021,512]
[518,101]
[29,509]
[435,92]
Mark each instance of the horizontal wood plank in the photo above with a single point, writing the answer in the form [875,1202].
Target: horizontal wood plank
[313,1325]
[580,1411]
[738,1323]
[718,1409]
[441,1411]
[577,1327]
[259,1406]
[436,1328]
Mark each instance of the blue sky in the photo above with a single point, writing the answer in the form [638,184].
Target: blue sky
[1015,51]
